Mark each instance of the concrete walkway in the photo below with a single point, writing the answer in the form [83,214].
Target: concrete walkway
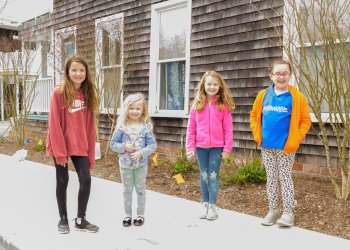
[28,219]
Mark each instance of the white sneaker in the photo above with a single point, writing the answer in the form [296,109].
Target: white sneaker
[286,220]
[212,213]
[270,218]
[204,211]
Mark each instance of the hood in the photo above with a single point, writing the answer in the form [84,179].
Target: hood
[145,128]
[271,90]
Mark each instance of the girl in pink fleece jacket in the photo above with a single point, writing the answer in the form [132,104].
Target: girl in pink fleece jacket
[210,135]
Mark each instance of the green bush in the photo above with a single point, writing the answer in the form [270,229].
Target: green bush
[38,148]
[227,178]
[226,171]
[239,172]
[251,172]
[181,164]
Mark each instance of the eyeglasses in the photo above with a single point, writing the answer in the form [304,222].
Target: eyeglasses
[285,74]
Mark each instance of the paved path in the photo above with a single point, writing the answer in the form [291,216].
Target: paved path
[28,219]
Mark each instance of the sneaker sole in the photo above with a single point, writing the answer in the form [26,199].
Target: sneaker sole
[63,232]
[212,218]
[283,224]
[84,230]
[268,224]
[202,217]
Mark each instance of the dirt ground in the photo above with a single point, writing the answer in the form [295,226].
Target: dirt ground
[317,208]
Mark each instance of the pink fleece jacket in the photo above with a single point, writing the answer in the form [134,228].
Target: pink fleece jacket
[210,128]
[71,130]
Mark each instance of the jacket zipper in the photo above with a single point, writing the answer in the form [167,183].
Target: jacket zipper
[209,105]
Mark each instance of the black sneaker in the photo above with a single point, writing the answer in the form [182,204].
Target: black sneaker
[63,226]
[86,226]
[139,221]
[127,221]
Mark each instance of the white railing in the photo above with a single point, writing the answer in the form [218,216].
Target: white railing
[41,96]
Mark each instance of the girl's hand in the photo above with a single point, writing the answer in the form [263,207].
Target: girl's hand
[129,147]
[225,155]
[190,155]
[136,156]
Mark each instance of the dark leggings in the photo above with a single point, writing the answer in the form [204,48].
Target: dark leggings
[81,164]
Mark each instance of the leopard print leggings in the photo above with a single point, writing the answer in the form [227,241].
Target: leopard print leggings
[278,167]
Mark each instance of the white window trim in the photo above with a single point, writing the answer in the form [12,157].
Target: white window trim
[98,42]
[325,117]
[153,99]
[59,36]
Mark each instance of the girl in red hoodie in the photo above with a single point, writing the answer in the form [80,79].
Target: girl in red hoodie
[72,133]
[210,135]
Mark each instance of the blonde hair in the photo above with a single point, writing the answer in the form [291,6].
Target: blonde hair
[88,86]
[223,93]
[145,118]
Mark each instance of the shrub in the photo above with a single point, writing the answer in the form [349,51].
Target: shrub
[239,171]
[251,172]
[181,164]
[38,147]
[227,171]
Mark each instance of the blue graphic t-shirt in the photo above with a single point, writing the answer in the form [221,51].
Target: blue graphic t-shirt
[276,118]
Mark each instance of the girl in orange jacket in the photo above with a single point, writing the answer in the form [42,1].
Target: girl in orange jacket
[280,120]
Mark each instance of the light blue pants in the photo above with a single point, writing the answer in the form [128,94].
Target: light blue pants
[134,178]
[209,160]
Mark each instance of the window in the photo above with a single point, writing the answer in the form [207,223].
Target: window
[325,64]
[65,46]
[169,58]
[109,61]
[27,45]
[319,47]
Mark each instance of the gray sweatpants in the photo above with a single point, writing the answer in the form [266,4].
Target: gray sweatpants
[134,178]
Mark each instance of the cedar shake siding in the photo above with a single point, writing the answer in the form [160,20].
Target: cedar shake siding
[231,37]
[236,40]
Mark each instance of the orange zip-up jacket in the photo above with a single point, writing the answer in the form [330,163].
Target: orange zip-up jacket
[300,121]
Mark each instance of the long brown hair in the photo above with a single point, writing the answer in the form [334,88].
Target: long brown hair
[224,93]
[88,86]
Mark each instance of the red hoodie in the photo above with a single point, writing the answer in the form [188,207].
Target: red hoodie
[71,130]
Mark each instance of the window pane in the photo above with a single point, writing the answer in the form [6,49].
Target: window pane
[111,53]
[29,45]
[172,85]
[105,45]
[172,34]
[322,65]
[112,87]
[67,49]
[318,18]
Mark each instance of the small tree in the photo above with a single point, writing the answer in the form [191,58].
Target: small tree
[110,67]
[3,5]
[316,36]
[19,93]
[101,42]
